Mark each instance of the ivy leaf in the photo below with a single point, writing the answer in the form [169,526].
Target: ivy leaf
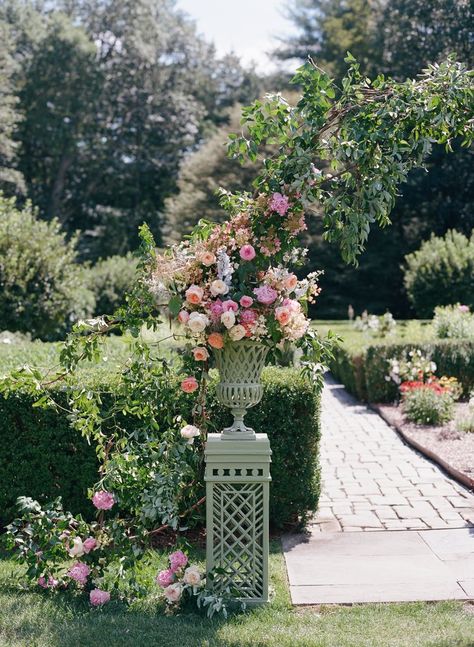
[174,305]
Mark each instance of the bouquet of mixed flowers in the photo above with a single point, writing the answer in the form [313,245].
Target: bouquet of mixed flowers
[231,281]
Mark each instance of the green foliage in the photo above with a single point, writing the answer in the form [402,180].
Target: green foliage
[454,321]
[42,290]
[424,406]
[43,456]
[441,272]
[110,280]
[371,136]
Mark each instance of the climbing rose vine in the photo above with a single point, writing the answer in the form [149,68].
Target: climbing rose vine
[340,151]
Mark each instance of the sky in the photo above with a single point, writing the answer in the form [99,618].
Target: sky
[248,27]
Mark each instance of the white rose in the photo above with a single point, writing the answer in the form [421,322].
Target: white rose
[237,333]
[189,432]
[218,287]
[228,319]
[173,592]
[78,549]
[197,322]
[192,576]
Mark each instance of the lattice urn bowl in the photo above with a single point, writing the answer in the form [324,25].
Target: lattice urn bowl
[240,366]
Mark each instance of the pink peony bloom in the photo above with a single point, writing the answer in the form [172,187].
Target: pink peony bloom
[173,592]
[89,544]
[246,302]
[183,317]
[42,582]
[265,294]
[248,316]
[189,385]
[79,572]
[98,597]
[279,203]
[230,305]
[165,578]
[103,500]
[177,560]
[247,253]
[216,309]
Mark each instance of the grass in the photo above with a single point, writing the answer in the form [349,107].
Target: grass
[411,330]
[37,619]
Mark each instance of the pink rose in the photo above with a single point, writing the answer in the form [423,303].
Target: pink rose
[247,253]
[246,302]
[79,572]
[98,597]
[290,282]
[89,544]
[207,258]
[173,592]
[200,354]
[292,304]
[183,317]
[194,294]
[165,578]
[230,305]
[103,500]
[177,560]
[248,316]
[189,385]
[282,315]
[279,203]
[265,294]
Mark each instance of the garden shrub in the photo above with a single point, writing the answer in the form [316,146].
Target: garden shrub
[364,372]
[440,273]
[111,279]
[43,457]
[425,406]
[454,322]
[43,291]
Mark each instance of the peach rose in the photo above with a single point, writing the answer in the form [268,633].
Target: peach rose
[216,340]
[283,315]
[290,282]
[194,294]
[207,258]
[200,354]
[189,385]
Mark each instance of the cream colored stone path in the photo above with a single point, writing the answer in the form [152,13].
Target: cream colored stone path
[372,481]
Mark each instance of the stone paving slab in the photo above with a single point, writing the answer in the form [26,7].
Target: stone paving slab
[373,481]
[391,566]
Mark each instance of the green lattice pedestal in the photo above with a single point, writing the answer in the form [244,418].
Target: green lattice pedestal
[237,490]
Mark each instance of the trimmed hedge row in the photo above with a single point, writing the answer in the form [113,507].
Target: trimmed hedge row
[43,457]
[363,372]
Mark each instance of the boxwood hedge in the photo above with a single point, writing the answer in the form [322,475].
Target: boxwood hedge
[43,457]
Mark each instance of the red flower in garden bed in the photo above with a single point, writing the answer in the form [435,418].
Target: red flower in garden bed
[412,385]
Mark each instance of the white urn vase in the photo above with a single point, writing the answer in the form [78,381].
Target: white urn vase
[240,366]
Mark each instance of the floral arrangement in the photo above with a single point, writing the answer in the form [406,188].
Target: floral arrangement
[231,282]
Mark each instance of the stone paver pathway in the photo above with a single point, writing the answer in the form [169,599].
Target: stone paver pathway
[372,481]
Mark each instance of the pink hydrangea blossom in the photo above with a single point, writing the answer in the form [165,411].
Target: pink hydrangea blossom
[177,560]
[89,544]
[98,597]
[246,301]
[216,309]
[247,253]
[248,316]
[265,294]
[279,203]
[103,500]
[79,572]
[165,578]
[230,305]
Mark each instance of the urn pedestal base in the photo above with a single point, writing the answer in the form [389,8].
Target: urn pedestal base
[237,494]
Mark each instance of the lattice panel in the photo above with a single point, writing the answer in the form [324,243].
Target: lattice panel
[238,514]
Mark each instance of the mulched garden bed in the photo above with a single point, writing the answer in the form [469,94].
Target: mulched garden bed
[452,449]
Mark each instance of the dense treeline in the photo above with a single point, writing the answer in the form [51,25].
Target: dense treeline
[116,111]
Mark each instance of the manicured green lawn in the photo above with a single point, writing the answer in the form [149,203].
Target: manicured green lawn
[31,619]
